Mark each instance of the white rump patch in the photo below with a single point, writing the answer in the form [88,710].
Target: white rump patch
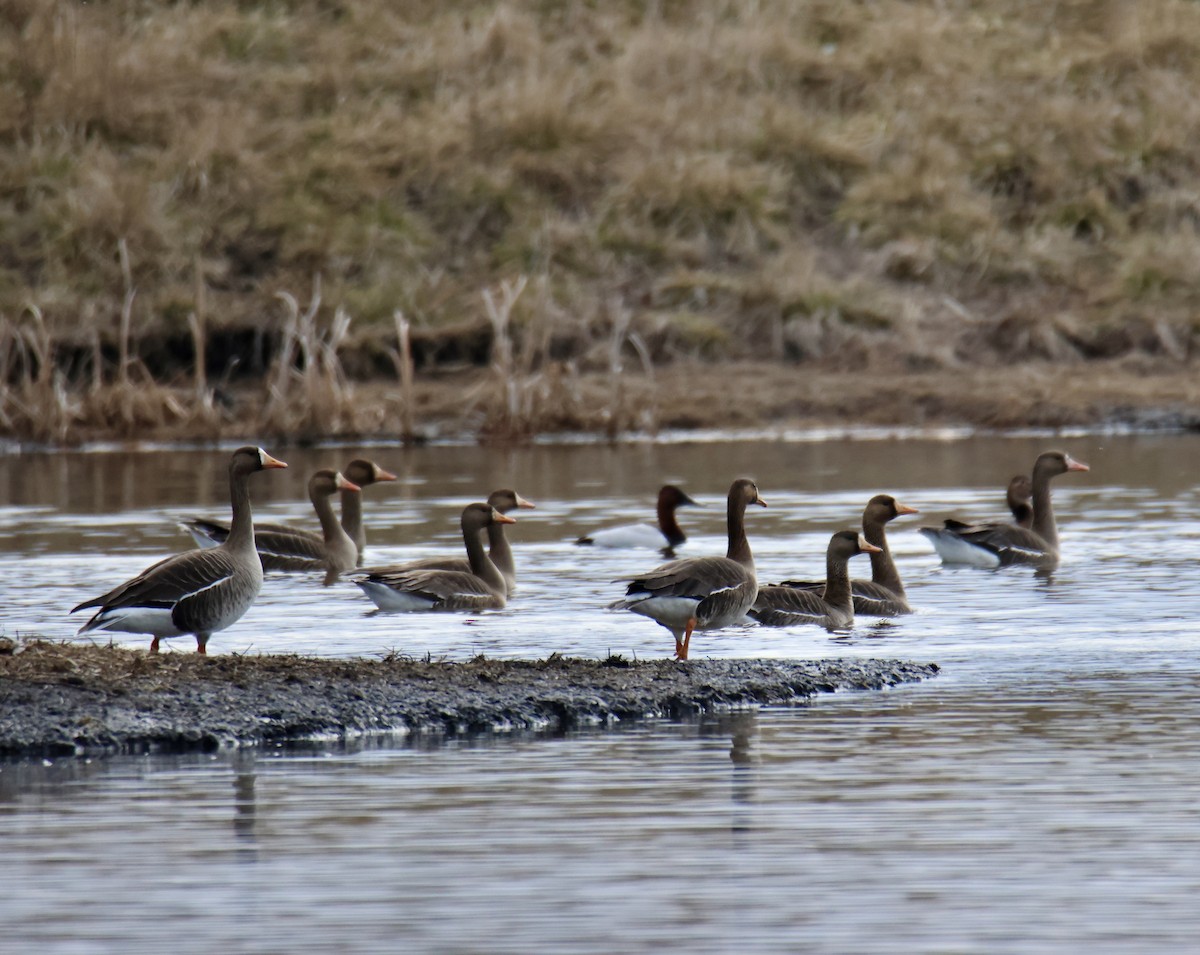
[671,612]
[152,620]
[954,550]
[387,598]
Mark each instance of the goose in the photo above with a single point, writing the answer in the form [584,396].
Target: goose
[499,550]
[667,536]
[360,473]
[883,595]
[833,606]
[363,473]
[1000,545]
[701,593]
[199,591]
[1019,496]
[480,588]
[292,549]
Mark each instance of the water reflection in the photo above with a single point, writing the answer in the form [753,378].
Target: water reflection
[1038,795]
[245,805]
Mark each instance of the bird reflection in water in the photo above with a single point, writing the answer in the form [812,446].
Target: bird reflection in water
[245,806]
[743,727]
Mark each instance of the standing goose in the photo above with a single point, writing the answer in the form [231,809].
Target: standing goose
[833,607]
[200,591]
[480,588]
[701,593]
[499,550]
[883,595]
[667,536]
[999,545]
[359,474]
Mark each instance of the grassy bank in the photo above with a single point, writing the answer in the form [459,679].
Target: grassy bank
[228,213]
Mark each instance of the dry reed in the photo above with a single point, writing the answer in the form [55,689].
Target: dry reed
[307,391]
[1010,159]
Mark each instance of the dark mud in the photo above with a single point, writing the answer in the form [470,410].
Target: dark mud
[71,699]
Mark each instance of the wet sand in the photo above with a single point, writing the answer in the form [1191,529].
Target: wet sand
[59,699]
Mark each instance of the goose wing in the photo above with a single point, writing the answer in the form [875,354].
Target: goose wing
[697,577]
[778,605]
[169,581]
[285,548]
[279,546]
[875,600]
[458,564]
[445,589]
[1010,543]
[870,599]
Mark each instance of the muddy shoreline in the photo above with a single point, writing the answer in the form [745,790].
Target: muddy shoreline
[59,699]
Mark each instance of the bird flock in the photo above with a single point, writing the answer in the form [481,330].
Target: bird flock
[202,591]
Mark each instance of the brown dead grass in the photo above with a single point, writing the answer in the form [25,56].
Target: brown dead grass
[918,185]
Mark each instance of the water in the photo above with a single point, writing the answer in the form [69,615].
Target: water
[1037,796]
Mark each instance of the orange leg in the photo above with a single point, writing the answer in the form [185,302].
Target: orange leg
[154,645]
[681,647]
[202,644]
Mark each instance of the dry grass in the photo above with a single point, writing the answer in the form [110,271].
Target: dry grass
[812,182]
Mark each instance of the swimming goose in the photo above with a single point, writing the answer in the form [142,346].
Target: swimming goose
[300,550]
[200,591]
[833,607]
[999,545]
[701,593]
[666,536]
[359,474]
[883,595]
[481,588]
[363,473]
[1019,496]
[499,550]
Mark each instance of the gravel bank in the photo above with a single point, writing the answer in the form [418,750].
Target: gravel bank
[61,699]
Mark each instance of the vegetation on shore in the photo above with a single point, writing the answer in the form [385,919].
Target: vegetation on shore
[228,213]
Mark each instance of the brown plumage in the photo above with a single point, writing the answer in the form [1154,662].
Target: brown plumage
[701,593]
[1019,496]
[482,587]
[1000,545]
[199,591]
[293,548]
[833,606]
[499,549]
[883,595]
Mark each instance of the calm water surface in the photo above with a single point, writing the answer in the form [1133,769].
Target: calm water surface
[1040,795]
